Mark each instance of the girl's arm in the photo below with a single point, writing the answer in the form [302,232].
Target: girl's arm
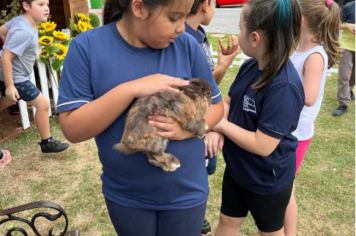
[6,64]
[3,32]
[255,142]
[94,117]
[313,71]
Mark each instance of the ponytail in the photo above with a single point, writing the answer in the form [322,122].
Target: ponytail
[280,22]
[324,23]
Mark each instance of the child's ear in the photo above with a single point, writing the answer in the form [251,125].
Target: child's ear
[138,9]
[26,6]
[204,6]
[256,39]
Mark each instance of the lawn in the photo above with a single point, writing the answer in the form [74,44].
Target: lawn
[325,185]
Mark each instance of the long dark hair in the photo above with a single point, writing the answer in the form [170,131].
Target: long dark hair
[114,10]
[324,24]
[280,22]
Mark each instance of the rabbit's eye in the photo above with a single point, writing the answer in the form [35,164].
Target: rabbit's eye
[208,93]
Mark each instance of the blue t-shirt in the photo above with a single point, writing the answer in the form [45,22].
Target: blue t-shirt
[274,112]
[202,39]
[348,13]
[101,59]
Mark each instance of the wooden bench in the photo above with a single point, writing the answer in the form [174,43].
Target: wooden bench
[10,214]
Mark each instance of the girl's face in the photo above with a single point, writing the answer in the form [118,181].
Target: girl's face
[38,10]
[243,36]
[165,23]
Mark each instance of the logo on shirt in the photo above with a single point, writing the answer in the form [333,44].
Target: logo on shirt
[249,104]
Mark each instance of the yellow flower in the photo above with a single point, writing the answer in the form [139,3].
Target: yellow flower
[44,54]
[41,30]
[89,26]
[49,26]
[46,40]
[82,26]
[83,17]
[61,54]
[60,35]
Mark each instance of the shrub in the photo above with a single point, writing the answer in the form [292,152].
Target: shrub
[94,20]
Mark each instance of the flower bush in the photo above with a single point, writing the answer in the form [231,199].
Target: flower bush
[79,25]
[54,45]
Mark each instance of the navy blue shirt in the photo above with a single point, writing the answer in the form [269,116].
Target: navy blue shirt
[274,112]
[203,41]
[348,13]
[101,59]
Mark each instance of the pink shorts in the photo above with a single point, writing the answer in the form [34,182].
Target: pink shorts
[301,151]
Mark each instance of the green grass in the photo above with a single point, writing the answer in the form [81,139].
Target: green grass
[325,187]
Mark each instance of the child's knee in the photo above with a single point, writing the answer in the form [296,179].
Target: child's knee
[41,104]
[231,221]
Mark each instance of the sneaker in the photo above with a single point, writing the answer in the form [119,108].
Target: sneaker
[14,109]
[206,228]
[352,95]
[340,110]
[6,159]
[53,146]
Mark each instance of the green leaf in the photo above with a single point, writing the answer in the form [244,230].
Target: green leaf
[71,24]
[57,64]
[67,42]
[52,49]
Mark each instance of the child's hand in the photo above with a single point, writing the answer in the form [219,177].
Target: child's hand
[212,141]
[11,93]
[155,83]
[227,55]
[232,45]
[169,126]
[351,27]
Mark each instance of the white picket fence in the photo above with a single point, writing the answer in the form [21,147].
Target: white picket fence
[241,58]
[45,89]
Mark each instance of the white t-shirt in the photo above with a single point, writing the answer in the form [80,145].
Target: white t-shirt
[305,129]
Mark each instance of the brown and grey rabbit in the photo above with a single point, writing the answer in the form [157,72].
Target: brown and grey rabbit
[187,107]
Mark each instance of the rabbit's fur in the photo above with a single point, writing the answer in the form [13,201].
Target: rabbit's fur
[187,107]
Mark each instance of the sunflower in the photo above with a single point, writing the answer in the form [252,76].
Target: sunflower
[82,26]
[41,30]
[46,40]
[83,17]
[60,35]
[44,54]
[88,25]
[61,54]
[49,26]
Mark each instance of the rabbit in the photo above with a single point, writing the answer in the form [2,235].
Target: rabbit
[187,107]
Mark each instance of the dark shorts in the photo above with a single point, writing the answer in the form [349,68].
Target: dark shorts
[27,90]
[129,221]
[268,211]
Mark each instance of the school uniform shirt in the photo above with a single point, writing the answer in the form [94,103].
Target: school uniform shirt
[203,41]
[22,40]
[275,112]
[99,60]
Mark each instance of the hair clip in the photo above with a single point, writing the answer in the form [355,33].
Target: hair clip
[328,3]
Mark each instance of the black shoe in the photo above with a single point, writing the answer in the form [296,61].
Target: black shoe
[206,228]
[53,146]
[340,110]
[352,95]
[14,109]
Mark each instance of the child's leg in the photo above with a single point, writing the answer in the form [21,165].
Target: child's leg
[181,222]
[234,207]
[5,103]
[41,118]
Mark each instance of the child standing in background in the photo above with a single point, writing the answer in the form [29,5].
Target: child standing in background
[18,56]
[346,72]
[202,13]
[262,110]
[318,51]
[101,72]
